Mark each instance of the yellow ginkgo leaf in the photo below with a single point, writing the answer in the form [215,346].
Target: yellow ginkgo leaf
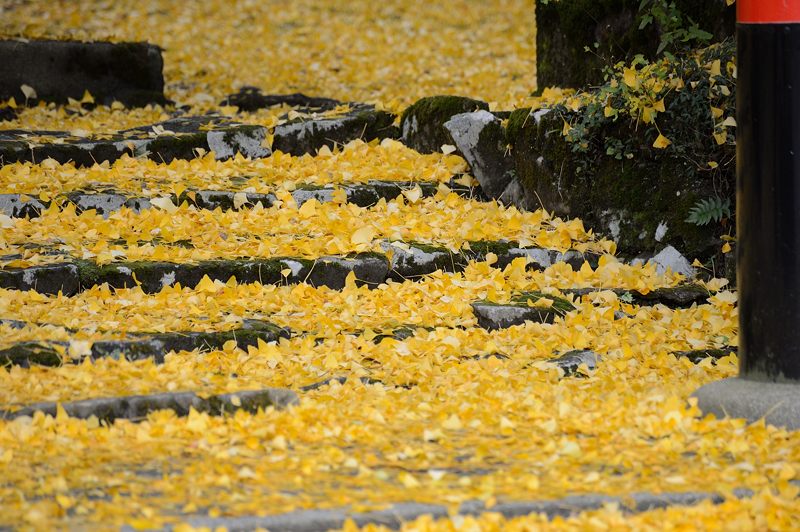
[630,77]
[363,235]
[661,142]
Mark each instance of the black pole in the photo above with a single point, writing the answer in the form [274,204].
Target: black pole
[767,219]
[768,189]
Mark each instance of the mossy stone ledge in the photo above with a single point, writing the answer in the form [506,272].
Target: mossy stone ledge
[618,183]
[422,123]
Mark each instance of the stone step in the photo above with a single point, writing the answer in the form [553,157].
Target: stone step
[523,307]
[361,194]
[71,277]
[408,261]
[399,514]
[183,137]
[178,138]
[139,346]
[137,407]
[681,296]
[56,70]
[307,135]
[528,306]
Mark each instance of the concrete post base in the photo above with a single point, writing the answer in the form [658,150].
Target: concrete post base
[778,403]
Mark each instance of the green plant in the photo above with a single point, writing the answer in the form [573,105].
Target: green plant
[706,210]
[676,30]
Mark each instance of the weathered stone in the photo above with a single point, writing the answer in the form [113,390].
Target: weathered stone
[103,203]
[698,355]
[130,73]
[208,132]
[302,136]
[492,316]
[226,200]
[24,354]
[139,346]
[777,403]
[571,361]
[681,296]
[422,124]
[21,206]
[410,261]
[370,269]
[670,259]
[46,279]
[252,98]
[137,407]
[156,345]
[177,138]
[607,172]
[481,139]
[399,514]
[576,39]
[340,380]
[152,277]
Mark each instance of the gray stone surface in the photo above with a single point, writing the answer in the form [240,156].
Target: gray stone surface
[136,407]
[309,135]
[669,258]
[681,296]
[21,206]
[414,262]
[103,203]
[492,316]
[422,123]
[480,137]
[777,403]
[400,513]
[138,346]
[57,70]
[252,98]
[571,361]
[370,269]
[698,355]
[178,138]
[45,279]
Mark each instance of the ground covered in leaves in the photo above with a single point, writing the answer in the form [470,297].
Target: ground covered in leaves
[403,397]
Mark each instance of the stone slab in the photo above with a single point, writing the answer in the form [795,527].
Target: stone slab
[137,407]
[778,403]
[401,513]
[250,98]
[130,73]
[302,136]
[177,138]
[140,346]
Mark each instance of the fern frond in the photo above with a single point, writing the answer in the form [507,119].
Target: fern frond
[712,208]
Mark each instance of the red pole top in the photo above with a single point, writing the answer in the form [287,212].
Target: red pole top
[768,11]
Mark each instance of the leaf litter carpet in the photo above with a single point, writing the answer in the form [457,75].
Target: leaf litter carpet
[447,412]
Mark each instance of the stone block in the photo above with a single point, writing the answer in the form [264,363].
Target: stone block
[130,73]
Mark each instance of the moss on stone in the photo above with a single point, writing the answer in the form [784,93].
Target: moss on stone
[27,353]
[616,182]
[560,305]
[422,123]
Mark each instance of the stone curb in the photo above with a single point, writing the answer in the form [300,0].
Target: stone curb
[410,261]
[136,407]
[128,72]
[225,140]
[143,345]
[394,517]
[493,316]
[104,203]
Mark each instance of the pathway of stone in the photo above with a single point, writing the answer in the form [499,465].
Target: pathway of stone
[345,336]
